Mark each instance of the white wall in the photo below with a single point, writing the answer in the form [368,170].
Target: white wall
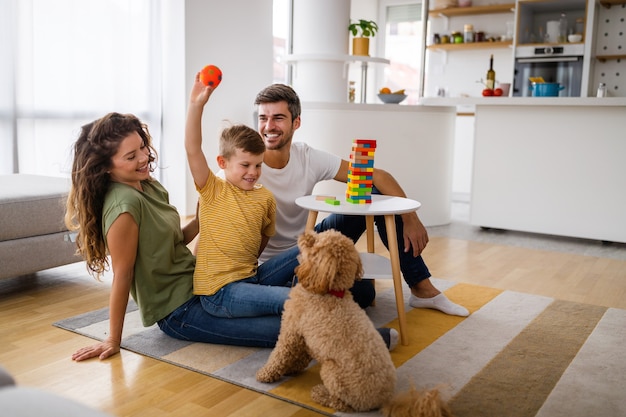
[237,37]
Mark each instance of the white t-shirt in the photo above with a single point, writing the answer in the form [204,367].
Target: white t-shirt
[306,167]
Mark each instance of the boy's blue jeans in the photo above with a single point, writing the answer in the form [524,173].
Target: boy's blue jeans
[262,294]
[244,313]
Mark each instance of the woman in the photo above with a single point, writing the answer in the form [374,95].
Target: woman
[120,211]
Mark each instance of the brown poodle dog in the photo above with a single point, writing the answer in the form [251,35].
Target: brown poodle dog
[322,322]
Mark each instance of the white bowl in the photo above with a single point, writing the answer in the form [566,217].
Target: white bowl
[574,37]
[392,98]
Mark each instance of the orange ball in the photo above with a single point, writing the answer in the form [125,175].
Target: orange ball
[211,76]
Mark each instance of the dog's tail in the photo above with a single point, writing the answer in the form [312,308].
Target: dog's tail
[415,403]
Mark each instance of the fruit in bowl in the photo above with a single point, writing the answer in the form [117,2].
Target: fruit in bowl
[386,96]
[392,98]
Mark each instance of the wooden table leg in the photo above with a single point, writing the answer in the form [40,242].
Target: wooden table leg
[369,226]
[369,234]
[394,255]
[310,220]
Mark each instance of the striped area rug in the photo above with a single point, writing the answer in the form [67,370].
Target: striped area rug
[516,355]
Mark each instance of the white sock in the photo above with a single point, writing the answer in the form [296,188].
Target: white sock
[439,302]
[393,339]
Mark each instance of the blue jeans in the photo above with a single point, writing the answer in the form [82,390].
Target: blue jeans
[262,294]
[191,323]
[413,268]
[246,314]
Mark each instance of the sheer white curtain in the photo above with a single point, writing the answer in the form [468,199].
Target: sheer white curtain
[7,30]
[67,62]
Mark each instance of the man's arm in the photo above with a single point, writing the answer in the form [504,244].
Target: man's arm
[414,233]
[383,180]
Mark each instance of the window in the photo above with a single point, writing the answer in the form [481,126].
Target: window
[403,40]
[282,36]
[65,68]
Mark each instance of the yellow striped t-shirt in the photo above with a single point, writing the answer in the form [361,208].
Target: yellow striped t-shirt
[232,222]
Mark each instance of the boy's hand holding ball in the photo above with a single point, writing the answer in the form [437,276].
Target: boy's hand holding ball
[211,76]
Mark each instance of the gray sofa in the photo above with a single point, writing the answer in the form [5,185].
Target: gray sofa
[33,235]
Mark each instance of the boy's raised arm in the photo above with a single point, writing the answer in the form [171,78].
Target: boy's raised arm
[193,132]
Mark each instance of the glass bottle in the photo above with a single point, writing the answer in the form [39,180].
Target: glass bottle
[579,26]
[490,83]
[468,33]
[601,90]
[351,92]
[562,28]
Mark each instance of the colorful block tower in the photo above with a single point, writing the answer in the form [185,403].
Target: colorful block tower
[361,172]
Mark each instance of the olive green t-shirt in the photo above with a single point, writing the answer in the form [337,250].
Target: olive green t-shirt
[164,265]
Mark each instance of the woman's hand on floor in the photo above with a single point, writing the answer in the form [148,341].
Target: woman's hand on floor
[102,350]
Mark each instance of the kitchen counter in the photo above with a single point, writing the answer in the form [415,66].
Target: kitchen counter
[550,165]
[367,107]
[472,102]
[414,143]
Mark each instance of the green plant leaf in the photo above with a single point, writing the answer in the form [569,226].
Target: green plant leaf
[364,28]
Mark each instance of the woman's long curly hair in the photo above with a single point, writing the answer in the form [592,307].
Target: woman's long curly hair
[94,149]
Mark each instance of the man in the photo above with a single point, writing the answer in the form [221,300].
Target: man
[292,169]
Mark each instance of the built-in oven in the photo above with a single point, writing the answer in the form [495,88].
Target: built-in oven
[561,64]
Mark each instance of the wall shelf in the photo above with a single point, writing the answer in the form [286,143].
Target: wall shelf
[293,59]
[475,10]
[469,46]
[603,58]
[609,3]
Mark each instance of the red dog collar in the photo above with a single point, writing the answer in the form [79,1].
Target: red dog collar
[337,293]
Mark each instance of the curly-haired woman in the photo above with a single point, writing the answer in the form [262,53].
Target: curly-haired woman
[123,216]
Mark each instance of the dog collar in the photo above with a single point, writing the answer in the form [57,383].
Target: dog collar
[337,293]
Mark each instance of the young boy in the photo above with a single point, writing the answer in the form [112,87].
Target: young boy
[237,217]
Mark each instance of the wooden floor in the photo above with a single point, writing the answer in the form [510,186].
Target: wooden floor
[38,354]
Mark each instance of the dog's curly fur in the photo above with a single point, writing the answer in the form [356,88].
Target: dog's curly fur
[356,368]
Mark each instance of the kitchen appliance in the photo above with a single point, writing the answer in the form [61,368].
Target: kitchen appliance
[546,89]
[561,64]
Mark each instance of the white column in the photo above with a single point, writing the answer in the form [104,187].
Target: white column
[320,50]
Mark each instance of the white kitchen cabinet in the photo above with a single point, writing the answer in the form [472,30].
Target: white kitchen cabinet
[551,166]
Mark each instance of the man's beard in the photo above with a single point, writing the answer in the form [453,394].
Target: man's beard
[284,141]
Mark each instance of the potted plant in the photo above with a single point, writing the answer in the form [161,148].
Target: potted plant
[362,30]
